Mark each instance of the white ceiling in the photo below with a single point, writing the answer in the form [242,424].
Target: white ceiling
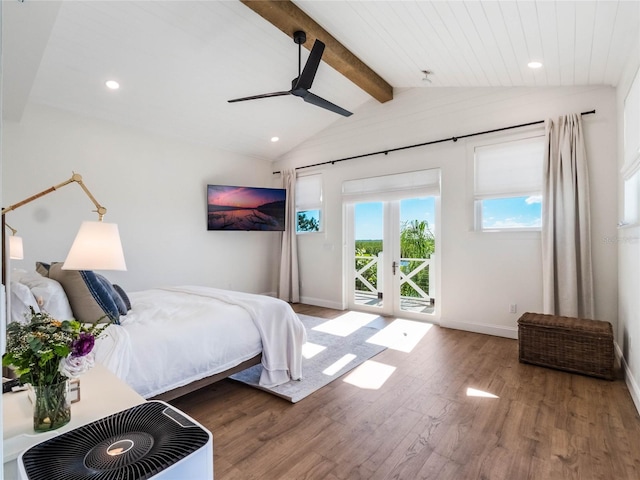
[180,61]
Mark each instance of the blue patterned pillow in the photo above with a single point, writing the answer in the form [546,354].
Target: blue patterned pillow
[124,297]
[122,308]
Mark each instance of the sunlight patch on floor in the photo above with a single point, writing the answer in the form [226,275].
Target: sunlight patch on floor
[346,324]
[338,364]
[310,350]
[472,392]
[370,375]
[402,335]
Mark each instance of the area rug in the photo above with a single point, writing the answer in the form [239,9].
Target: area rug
[333,348]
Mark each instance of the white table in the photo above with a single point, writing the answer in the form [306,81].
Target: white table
[101,394]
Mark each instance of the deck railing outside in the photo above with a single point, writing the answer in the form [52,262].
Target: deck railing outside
[412,286]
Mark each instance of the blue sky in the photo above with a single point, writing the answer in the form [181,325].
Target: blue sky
[368,216]
[517,212]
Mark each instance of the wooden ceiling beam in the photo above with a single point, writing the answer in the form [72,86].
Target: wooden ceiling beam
[285,15]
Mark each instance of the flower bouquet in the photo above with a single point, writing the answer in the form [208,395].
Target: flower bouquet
[45,353]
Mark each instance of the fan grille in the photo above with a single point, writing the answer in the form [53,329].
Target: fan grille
[134,444]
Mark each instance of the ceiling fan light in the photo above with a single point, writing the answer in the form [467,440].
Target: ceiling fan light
[426,74]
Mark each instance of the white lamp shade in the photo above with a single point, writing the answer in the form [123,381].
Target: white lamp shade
[97,247]
[16,252]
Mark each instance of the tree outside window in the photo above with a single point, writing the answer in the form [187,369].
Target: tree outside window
[308,221]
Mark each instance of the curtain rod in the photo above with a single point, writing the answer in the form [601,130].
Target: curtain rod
[432,142]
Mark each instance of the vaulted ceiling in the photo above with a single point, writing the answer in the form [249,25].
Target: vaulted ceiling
[178,62]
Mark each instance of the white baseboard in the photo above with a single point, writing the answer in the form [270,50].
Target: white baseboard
[632,385]
[321,303]
[487,329]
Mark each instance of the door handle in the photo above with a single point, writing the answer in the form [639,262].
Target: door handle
[394,265]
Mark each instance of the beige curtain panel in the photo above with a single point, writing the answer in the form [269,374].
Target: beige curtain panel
[566,235]
[289,282]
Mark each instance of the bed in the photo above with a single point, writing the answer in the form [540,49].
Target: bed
[165,342]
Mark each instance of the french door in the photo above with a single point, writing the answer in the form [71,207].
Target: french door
[392,256]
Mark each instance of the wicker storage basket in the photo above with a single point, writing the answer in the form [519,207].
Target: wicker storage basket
[571,344]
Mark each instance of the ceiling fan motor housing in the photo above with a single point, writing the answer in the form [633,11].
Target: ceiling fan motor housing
[299,37]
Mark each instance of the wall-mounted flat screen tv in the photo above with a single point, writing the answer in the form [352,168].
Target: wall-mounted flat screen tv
[245,208]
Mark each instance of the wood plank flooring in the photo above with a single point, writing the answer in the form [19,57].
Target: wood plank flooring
[422,424]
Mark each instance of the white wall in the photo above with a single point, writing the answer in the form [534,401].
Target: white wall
[627,240]
[153,187]
[481,273]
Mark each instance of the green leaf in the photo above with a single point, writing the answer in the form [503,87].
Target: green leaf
[35,344]
[61,350]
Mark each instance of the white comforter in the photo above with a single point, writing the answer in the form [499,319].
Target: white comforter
[174,336]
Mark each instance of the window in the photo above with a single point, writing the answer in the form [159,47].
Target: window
[632,199]
[508,185]
[631,169]
[309,204]
[632,122]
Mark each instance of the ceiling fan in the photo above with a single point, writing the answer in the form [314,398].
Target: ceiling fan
[302,83]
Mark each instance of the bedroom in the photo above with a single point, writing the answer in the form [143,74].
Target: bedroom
[153,185]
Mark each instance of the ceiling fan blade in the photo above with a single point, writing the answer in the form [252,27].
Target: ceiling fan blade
[300,86]
[321,102]
[264,95]
[311,67]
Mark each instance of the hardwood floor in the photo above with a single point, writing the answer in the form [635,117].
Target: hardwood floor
[422,423]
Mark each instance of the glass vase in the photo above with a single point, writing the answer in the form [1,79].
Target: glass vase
[51,407]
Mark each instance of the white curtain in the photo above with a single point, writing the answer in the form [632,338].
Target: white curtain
[289,284]
[566,238]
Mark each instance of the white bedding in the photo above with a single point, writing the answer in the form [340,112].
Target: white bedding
[172,337]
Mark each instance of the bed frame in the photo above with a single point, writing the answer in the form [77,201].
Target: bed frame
[198,384]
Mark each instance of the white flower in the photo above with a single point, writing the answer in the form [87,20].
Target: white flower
[73,367]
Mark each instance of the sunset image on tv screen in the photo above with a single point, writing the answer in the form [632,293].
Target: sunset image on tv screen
[245,208]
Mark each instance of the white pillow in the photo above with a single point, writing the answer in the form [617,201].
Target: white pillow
[17,274]
[48,293]
[21,300]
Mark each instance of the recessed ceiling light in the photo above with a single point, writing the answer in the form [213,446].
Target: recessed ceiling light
[275,139]
[112,84]
[534,64]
